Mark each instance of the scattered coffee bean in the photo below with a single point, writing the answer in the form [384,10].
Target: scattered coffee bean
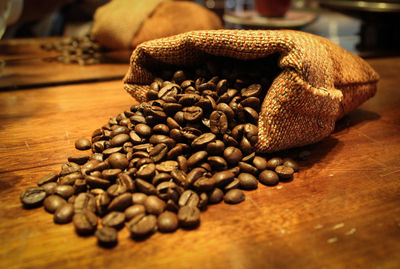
[107,236]
[33,197]
[85,222]
[189,216]
[134,210]
[53,202]
[83,144]
[64,213]
[167,222]
[284,172]
[269,178]
[114,220]
[234,196]
[52,177]
[247,181]
[142,225]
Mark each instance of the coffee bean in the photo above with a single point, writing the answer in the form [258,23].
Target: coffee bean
[126,181]
[116,190]
[81,159]
[218,122]
[216,147]
[189,217]
[65,191]
[288,162]
[107,236]
[142,225]
[143,130]
[158,139]
[114,220]
[197,158]
[119,140]
[85,222]
[284,172]
[97,182]
[203,140]
[50,187]
[134,210]
[52,177]
[234,184]
[33,197]
[53,202]
[247,168]
[260,163]
[167,222]
[182,163]
[215,196]
[232,155]
[118,161]
[146,171]
[102,201]
[145,187]
[139,198]
[274,162]
[69,168]
[120,203]
[167,166]
[247,181]
[82,144]
[189,198]
[268,177]
[64,213]
[84,201]
[158,152]
[252,91]
[110,174]
[217,163]
[154,205]
[234,196]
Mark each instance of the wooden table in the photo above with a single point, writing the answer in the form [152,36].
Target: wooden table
[341,211]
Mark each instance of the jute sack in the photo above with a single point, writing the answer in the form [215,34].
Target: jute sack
[320,82]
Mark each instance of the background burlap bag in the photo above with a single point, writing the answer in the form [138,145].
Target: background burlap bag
[122,24]
[319,83]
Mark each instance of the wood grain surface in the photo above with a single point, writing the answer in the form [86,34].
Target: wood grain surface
[342,210]
[25,65]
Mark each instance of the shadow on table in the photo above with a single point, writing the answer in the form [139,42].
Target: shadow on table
[356,117]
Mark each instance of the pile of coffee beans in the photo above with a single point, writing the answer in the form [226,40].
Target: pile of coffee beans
[155,166]
[75,50]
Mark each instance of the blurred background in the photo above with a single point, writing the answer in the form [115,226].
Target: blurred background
[368,28]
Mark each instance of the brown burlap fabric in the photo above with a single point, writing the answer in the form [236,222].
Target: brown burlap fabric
[319,83]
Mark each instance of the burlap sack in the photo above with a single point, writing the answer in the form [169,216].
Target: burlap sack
[319,83]
[122,24]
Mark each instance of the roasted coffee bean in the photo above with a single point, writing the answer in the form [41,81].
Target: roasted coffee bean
[251,132]
[197,158]
[216,147]
[247,181]
[49,188]
[64,213]
[53,202]
[168,92]
[218,122]
[69,168]
[84,201]
[119,130]
[158,139]
[83,144]
[284,172]
[142,225]
[203,140]
[143,130]
[79,186]
[97,182]
[110,174]
[167,222]
[204,183]
[274,162]
[230,141]
[107,236]
[167,166]
[203,201]
[189,198]
[81,159]
[234,184]
[288,162]
[118,161]
[114,220]
[119,139]
[126,180]
[247,168]
[195,174]
[217,163]
[109,151]
[160,177]
[146,171]
[260,163]
[145,187]
[268,177]
[192,113]
[52,177]
[139,198]
[33,197]
[85,222]
[232,155]
[252,102]
[65,191]
[158,152]
[154,205]
[188,216]
[134,210]
[234,196]
[70,178]
[161,129]
[120,203]
[253,90]
[246,146]
[215,196]
[116,190]
[182,163]
[102,201]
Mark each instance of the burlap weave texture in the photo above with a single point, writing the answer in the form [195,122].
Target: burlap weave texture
[319,83]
